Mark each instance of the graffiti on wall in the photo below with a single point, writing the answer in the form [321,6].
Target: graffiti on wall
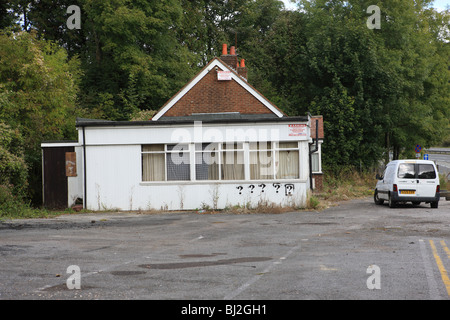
[288,188]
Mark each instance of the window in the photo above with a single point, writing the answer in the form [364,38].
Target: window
[153,162]
[287,160]
[232,164]
[406,171]
[220,161]
[426,171]
[206,161]
[263,166]
[261,161]
[215,161]
[165,162]
[315,167]
[177,159]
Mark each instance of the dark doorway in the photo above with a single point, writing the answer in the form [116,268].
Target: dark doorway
[55,191]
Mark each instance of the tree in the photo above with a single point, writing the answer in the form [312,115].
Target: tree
[131,59]
[13,169]
[323,61]
[6,16]
[416,110]
[38,90]
[378,90]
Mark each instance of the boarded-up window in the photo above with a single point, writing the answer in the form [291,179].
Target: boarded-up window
[71,164]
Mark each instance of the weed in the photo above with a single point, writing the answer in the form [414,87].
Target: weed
[444,182]
[263,206]
[313,202]
[348,184]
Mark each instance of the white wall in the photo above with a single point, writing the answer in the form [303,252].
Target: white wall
[114,182]
[191,133]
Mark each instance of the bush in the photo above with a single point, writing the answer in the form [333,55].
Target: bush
[13,169]
[444,183]
[446,142]
[13,173]
[15,207]
[11,205]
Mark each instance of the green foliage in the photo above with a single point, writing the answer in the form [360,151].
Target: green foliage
[37,87]
[13,170]
[38,90]
[379,91]
[134,60]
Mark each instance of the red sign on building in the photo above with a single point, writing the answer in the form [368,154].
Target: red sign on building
[297,130]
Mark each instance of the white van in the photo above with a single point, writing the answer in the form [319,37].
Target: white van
[413,181]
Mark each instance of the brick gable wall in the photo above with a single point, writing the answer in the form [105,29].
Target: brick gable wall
[210,95]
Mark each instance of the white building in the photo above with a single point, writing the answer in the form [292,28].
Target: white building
[217,143]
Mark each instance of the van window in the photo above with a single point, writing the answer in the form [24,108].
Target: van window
[406,170]
[426,171]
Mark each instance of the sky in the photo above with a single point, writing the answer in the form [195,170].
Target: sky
[439,4]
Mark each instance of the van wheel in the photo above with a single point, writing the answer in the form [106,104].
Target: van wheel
[391,202]
[434,205]
[376,199]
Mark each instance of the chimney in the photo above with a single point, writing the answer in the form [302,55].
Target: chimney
[230,59]
[224,49]
[242,69]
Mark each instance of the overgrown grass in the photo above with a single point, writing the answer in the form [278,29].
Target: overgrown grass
[263,206]
[266,206]
[349,184]
[14,207]
[24,211]
[444,183]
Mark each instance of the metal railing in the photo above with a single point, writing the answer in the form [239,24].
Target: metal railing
[438,150]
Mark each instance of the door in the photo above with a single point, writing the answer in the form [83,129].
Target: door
[55,189]
[426,180]
[407,181]
[383,184]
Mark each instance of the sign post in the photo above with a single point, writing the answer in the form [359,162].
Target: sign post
[418,148]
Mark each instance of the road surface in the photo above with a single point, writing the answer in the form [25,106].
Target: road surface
[354,250]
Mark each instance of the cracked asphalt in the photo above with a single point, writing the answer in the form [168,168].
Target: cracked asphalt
[186,255]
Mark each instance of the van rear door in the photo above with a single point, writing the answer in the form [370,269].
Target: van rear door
[406,178]
[426,180]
